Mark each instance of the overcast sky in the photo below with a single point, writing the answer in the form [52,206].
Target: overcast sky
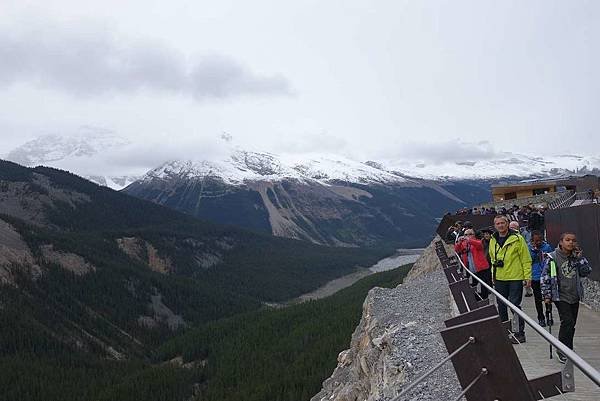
[372,79]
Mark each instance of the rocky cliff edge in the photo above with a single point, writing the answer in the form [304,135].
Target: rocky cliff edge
[397,340]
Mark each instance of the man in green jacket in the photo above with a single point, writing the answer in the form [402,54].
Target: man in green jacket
[511,263]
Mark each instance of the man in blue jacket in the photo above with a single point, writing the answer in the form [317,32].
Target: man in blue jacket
[537,248]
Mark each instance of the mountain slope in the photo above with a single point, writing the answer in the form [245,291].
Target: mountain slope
[98,271]
[325,201]
[292,349]
[334,200]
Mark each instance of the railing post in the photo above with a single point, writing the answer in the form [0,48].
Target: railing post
[491,370]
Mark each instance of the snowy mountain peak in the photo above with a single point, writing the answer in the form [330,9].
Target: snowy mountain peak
[108,159]
[83,152]
[241,166]
[87,142]
[505,165]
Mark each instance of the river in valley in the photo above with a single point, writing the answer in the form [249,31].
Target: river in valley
[400,258]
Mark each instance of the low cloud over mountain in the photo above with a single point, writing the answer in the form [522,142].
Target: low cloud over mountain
[88,62]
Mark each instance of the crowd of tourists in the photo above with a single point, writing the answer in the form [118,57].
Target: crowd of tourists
[511,258]
[514,213]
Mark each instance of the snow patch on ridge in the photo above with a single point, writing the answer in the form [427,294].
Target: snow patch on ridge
[510,164]
[242,166]
[107,159]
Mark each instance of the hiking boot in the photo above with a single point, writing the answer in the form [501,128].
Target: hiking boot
[562,358]
[542,322]
[517,338]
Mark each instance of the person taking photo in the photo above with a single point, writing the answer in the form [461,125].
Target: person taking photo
[472,253]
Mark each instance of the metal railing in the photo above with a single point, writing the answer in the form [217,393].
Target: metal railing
[478,352]
[563,201]
[425,375]
[585,367]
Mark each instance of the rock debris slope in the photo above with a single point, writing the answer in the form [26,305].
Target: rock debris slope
[396,341]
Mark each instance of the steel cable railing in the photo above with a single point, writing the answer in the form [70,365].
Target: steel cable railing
[432,370]
[563,201]
[585,367]
[573,359]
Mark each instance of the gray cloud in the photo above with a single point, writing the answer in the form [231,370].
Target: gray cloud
[308,142]
[448,151]
[451,151]
[93,63]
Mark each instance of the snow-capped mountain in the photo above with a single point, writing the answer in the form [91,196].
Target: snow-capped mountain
[238,166]
[86,152]
[335,200]
[504,165]
[321,198]
[244,166]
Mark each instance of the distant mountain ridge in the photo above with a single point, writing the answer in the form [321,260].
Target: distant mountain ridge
[339,202]
[237,165]
[334,200]
[81,149]
[322,198]
[94,270]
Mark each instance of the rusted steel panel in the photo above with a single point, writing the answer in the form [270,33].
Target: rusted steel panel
[479,222]
[584,221]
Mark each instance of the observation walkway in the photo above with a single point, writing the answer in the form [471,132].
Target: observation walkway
[580,202]
[489,368]
[535,353]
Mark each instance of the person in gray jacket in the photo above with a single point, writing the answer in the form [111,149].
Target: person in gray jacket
[561,283]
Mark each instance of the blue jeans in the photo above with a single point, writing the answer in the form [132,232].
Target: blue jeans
[513,291]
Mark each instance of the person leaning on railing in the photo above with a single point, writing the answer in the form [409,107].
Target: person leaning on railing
[561,284]
[511,264]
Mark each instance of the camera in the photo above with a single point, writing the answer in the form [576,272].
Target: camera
[499,263]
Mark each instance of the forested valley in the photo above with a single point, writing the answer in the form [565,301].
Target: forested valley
[107,297]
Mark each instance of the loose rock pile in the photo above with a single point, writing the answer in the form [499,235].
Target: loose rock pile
[396,341]
[592,293]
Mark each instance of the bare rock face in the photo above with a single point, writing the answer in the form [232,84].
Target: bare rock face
[161,314]
[68,261]
[156,263]
[591,290]
[30,201]
[144,252]
[428,261]
[14,254]
[396,341]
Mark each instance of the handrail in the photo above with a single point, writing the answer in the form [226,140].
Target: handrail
[584,195]
[424,376]
[585,367]
[563,200]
